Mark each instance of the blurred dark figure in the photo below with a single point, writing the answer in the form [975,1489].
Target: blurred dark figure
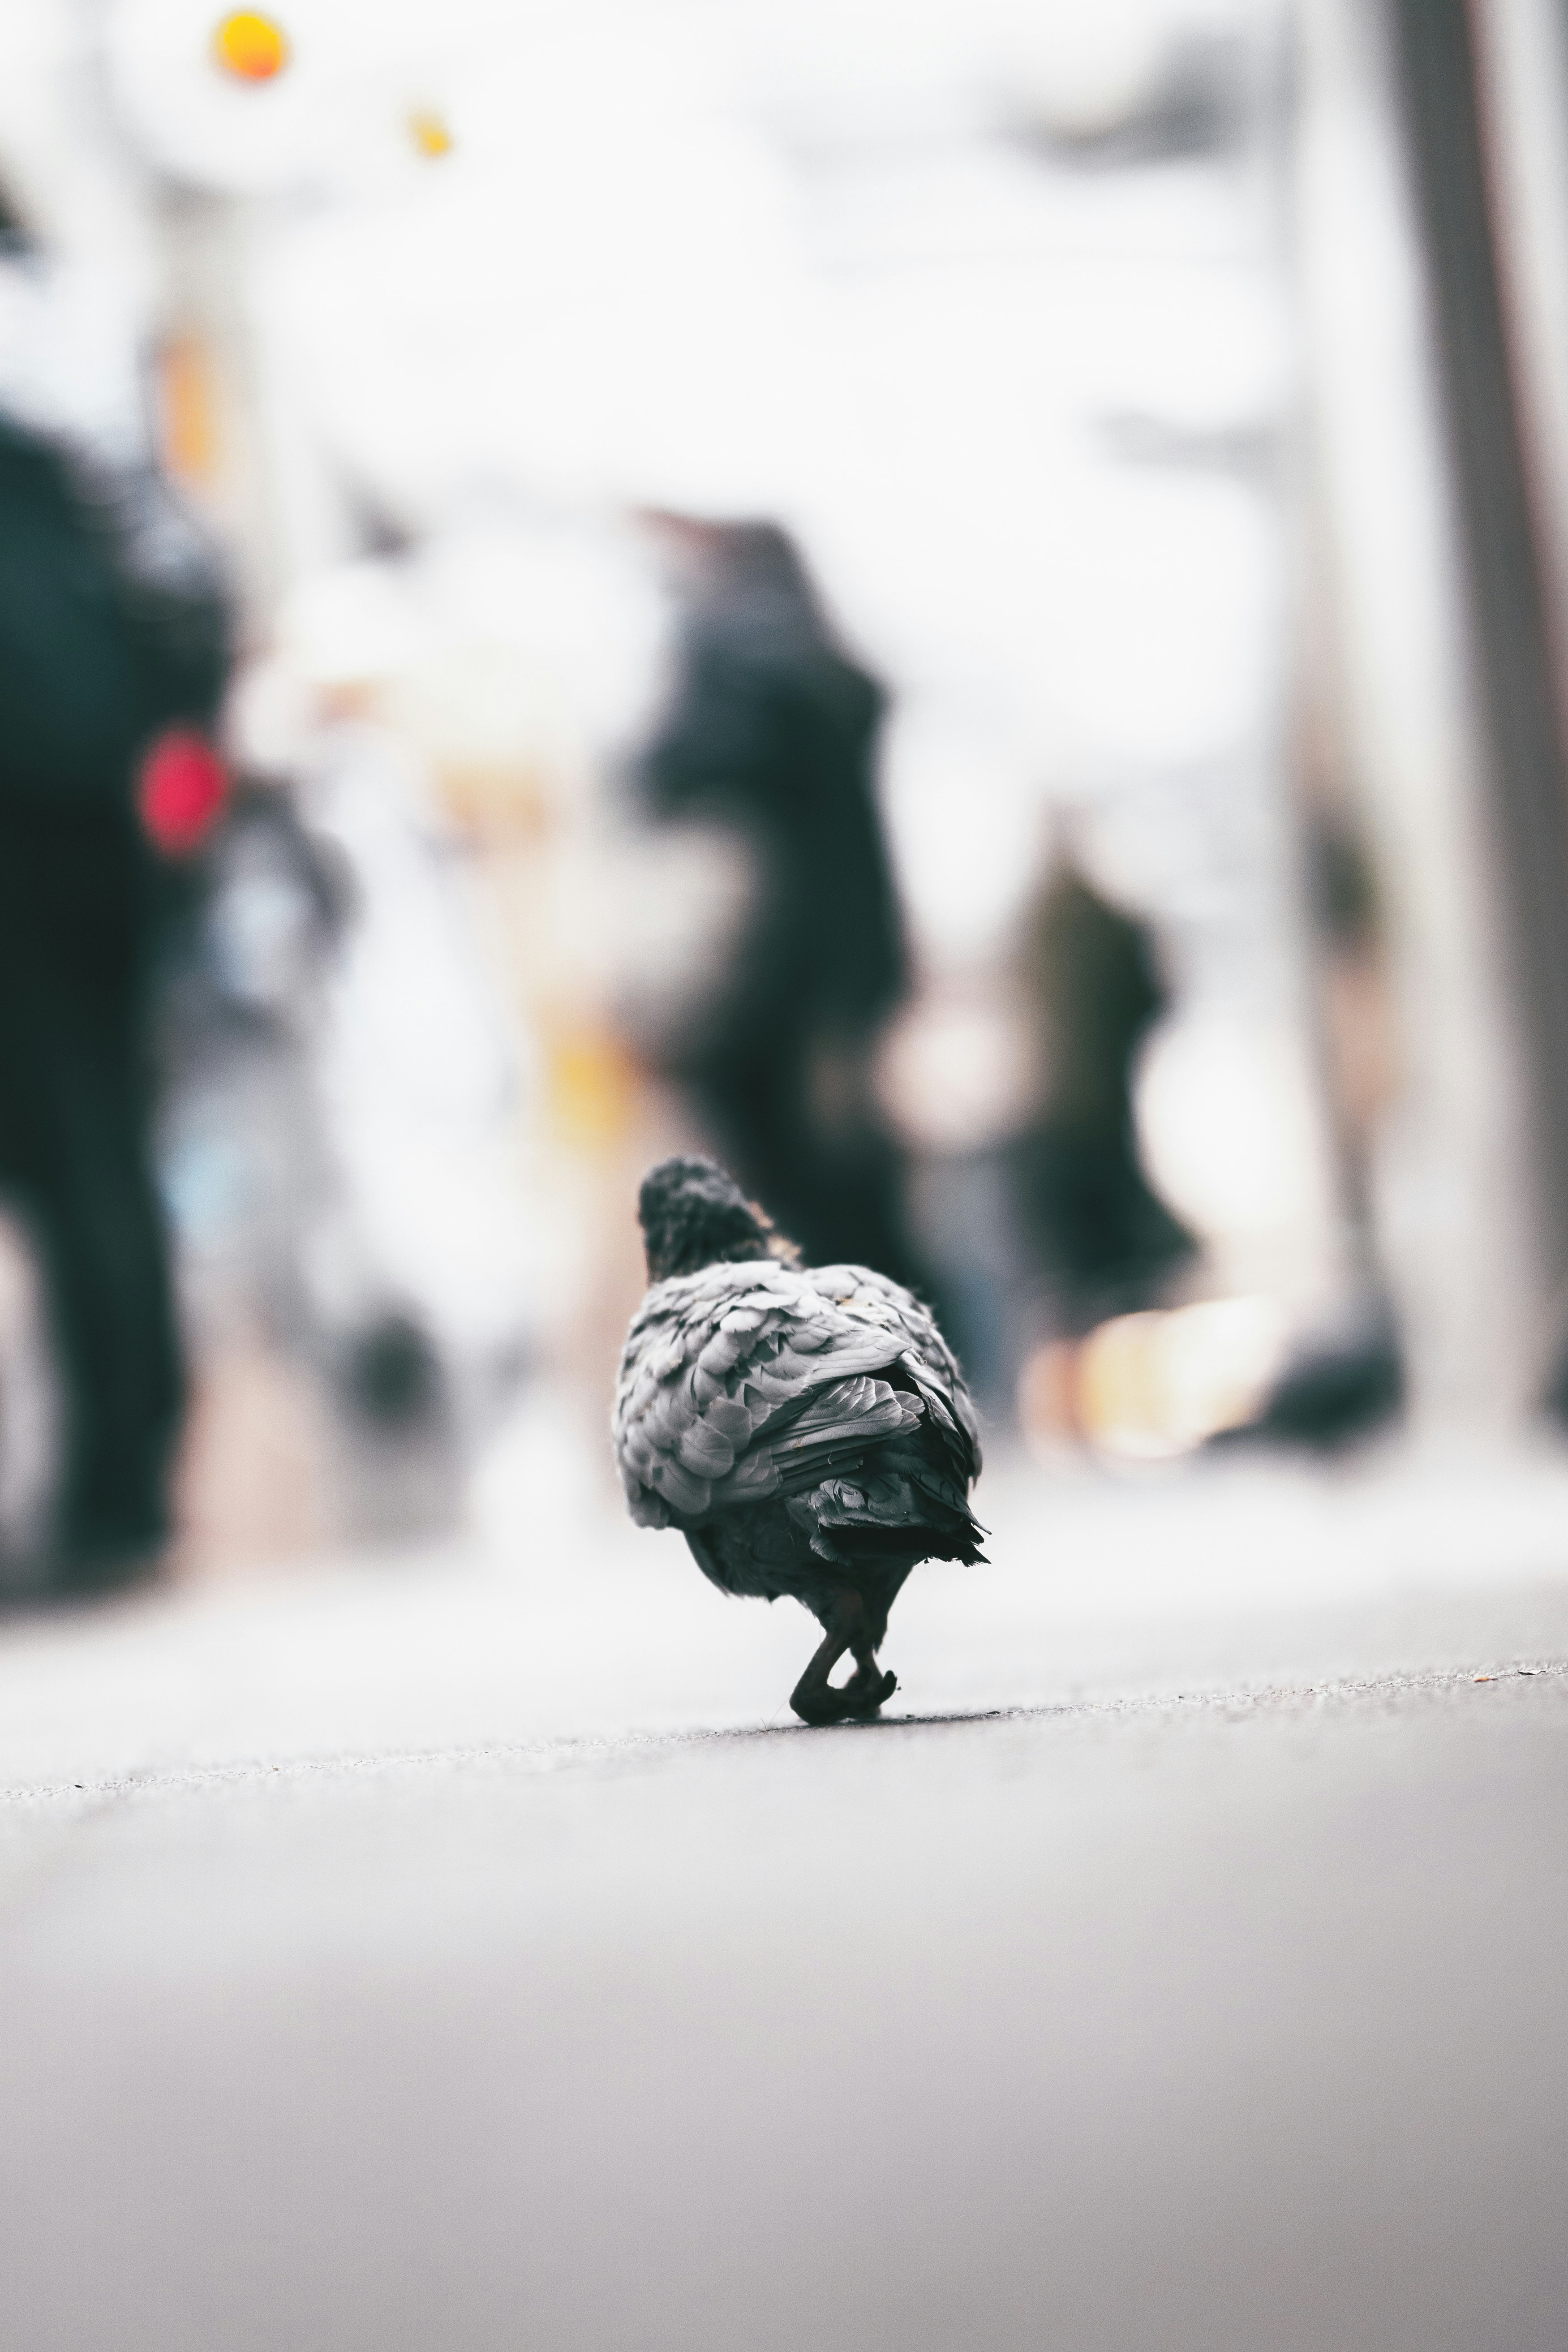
[253,921]
[1103,1240]
[111,630]
[772,734]
[1338,1388]
[1345,1381]
[253,912]
[273,1251]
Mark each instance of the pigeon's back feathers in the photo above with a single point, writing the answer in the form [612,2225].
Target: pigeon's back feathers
[830,1391]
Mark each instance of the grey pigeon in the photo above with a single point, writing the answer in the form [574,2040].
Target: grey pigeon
[807,1429]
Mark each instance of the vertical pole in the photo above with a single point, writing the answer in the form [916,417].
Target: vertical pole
[1461,1191]
[1504,572]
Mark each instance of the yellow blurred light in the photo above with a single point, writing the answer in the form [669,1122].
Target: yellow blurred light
[188,412]
[251,46]
[430,132]
[591,1087]
[1153,1385]
[1122,1401]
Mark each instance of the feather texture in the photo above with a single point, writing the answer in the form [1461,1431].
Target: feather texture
[758,1400]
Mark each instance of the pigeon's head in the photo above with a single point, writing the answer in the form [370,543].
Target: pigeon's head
[693,1212]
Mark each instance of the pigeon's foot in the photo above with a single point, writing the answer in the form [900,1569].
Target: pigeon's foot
[859,1699]
[868,1689]
[814,1697]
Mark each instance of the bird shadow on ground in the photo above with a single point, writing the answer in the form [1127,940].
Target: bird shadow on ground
[884,1722]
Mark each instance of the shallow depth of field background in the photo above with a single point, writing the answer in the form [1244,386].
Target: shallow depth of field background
[1093,359]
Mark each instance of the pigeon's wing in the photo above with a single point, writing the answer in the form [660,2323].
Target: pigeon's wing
[742,1380]
[879,1494]
[863,1298]
[761,1379]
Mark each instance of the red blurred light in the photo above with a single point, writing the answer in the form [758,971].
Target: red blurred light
[180,791]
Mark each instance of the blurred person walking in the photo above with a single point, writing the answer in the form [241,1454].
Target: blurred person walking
[111,631]
[1102,1240]
[771,737]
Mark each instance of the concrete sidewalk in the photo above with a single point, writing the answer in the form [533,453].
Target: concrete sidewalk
[467,1951]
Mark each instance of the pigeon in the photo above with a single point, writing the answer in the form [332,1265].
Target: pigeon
[807,1428]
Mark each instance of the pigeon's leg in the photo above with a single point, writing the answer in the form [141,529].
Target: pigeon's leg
[814,1698]
[869,1687]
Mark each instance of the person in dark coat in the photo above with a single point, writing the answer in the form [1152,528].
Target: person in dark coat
[771,732]
[112,630]
[1103,1240]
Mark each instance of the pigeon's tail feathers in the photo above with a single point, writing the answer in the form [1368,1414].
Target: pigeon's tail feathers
[895,1509]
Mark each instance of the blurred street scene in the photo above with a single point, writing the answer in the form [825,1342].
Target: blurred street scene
[966,608]
[952,617]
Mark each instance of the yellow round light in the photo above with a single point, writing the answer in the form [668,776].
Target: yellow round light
[251,45]
[430,132]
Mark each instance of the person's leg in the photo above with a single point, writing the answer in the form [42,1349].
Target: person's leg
[111,1291]
[74,1149]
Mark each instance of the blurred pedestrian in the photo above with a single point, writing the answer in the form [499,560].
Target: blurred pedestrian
[1103,1240]
[771,736]
[112,630]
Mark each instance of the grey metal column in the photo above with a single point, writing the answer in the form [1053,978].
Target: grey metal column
[1451,139]
[1456,1191]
